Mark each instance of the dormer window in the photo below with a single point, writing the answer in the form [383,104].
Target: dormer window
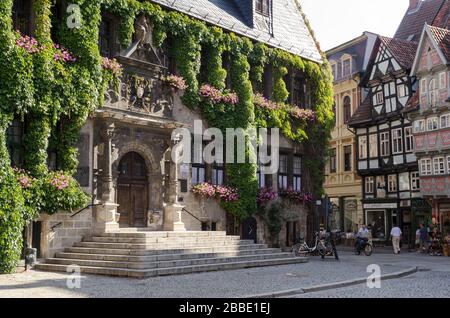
[346,67]
[263,7]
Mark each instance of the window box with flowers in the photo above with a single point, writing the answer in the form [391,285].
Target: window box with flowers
[296,196]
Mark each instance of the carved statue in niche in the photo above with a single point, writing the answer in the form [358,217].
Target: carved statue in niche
[144,41]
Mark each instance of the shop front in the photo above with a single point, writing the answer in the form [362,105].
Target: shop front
[380,216]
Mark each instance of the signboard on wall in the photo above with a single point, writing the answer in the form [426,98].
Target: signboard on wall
[380,206]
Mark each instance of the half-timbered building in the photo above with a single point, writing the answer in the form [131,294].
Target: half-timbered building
[431,115]
[385,158]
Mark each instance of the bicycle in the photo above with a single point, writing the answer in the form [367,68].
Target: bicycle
[303,249]
[363,245]
[330,246]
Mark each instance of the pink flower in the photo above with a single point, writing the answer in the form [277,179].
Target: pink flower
[262,102]
[207,190]
[297,196]
[216,96]
[266,195]
[303,114]
[112,65]
[175,81]
[60,181]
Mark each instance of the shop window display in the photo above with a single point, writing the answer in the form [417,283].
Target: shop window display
[377,222]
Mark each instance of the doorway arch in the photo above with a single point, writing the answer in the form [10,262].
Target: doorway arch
[132,190]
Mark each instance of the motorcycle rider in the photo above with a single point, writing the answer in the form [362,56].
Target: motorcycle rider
[362,237]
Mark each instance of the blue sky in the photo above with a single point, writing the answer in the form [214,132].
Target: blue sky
[336,22]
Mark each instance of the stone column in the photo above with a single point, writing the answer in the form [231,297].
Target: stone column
[172,209]
[105,214]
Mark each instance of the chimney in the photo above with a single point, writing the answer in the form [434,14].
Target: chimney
[413,4]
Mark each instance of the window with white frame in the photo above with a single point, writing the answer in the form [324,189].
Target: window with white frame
[346,67]
[415,181]
[384,144]
[423,86]
[392,183]
[362,147]
[373,146]
[432,124]
[263,6]
[445,121]
[369,185]
[198,164]
[442,80]
[379,98]
[448,163]
[419,126]
[409,139]
[397,141]
[402,90]
[425,167]
[433,93]
[381,183]
[333,160]
[439,166]
[283,172]
[297,175]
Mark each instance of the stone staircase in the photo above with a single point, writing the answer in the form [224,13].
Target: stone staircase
[139,253]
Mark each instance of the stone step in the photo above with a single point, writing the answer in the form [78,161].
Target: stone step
[147,233]
[127,272]
[163,251]
[164,257]
[166,264]
[183,244]
[151,240]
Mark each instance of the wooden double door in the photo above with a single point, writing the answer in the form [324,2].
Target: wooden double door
[132,191]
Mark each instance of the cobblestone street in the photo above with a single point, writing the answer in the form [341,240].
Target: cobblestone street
[430,281]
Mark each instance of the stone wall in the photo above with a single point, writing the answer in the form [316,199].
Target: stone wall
[70,231]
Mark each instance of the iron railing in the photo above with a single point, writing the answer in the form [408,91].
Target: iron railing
[184,210]
[52,229]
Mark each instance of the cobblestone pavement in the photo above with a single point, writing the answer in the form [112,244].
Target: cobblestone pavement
[236,283]
[433,284]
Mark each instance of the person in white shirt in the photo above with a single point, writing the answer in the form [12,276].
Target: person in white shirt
[396,235]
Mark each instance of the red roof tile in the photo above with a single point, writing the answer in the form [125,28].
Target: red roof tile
[414,20]
[404,51]
[442,38]
[413,103]
[363,113]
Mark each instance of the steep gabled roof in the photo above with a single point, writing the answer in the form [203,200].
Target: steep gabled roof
[439,38]
[404,52]
[442,38]
[363,114]
[290,31]
[412,24]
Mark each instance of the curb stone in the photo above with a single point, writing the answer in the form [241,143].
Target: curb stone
[337,285]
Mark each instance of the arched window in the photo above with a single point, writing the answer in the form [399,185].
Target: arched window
[347,109]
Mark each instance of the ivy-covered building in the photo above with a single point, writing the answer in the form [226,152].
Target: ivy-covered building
[95,89]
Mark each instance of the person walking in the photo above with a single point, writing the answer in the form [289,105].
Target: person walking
[423,238]
[396,235]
